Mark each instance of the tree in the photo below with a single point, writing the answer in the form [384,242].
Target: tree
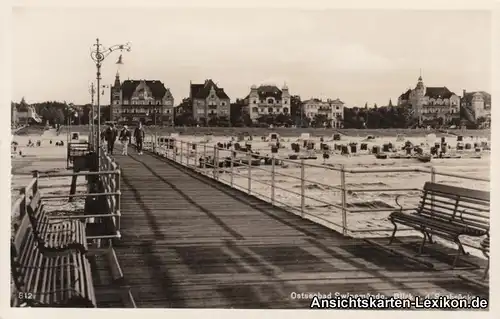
[366,105]
[319,120]
[283,119]
[390,103]
[236,112]
[375,106]
[296,109]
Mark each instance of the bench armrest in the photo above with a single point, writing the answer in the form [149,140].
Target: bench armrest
[397,201]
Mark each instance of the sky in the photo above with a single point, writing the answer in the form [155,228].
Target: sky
[358,56]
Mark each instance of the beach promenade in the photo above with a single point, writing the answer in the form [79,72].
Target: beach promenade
[190,241]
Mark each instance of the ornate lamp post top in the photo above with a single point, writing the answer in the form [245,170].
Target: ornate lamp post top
[100,52]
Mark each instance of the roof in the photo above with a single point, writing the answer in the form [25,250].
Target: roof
[486,96]
[337,100]
[202,91]
[266,91]
[406,95]
[438,92]
[157,88]
[315,100]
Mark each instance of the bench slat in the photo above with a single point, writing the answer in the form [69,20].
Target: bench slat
[459,191]
[448,212]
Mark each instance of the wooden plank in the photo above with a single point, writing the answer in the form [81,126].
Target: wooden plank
[474,281]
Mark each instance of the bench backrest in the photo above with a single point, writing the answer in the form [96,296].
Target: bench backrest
[36,216]
[33,210]
[458,205]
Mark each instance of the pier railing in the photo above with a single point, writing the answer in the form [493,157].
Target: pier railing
[110,177]
[342,198]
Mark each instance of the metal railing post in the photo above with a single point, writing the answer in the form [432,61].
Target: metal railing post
[204,157]
[302,188]
[215,164]
[231,165]
[272,180]
[249,158]
[180,160]
[36,176]
[433,180]
[344,204]
[118,198]
[188,151]
[174,151]
[196,160]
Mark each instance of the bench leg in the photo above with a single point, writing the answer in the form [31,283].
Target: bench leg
[429,236]
[393,232]
[460,251]
[424,238]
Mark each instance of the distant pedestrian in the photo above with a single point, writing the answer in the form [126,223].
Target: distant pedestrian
[125,139]
[110,137]
[139,135]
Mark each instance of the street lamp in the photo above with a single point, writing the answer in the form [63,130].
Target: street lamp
[98,55]
[91,115]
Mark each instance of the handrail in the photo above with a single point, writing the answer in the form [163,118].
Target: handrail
[110,176]
[338,197]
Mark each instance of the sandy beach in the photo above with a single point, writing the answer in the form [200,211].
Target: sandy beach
[48,158]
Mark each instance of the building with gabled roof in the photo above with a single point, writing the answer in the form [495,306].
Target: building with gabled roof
[146,101]
[431,103]
[209,101]
[476,104]
[266,100]
[333,110]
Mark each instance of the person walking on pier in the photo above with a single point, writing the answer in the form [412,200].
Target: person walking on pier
[125,139]
[139,137]
[110,137]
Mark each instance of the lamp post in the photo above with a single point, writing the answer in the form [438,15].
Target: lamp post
[91,116]
[98,55]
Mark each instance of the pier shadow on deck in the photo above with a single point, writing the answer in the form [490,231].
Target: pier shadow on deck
[189,241]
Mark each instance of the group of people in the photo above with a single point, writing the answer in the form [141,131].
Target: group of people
[111,134]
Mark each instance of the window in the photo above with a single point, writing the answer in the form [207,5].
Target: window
[337,107]
[285,110]
[223,103]
[255,109]
[286,102]
[254,101]
[270,101]
[270,110]
[212,96]
[158,102]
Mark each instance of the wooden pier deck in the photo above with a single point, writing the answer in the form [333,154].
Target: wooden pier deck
[189,241]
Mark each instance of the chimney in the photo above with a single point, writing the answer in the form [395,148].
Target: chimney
[463,93]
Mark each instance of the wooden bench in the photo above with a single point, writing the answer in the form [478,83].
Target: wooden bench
[447,212]
[49,281]
[55,236]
